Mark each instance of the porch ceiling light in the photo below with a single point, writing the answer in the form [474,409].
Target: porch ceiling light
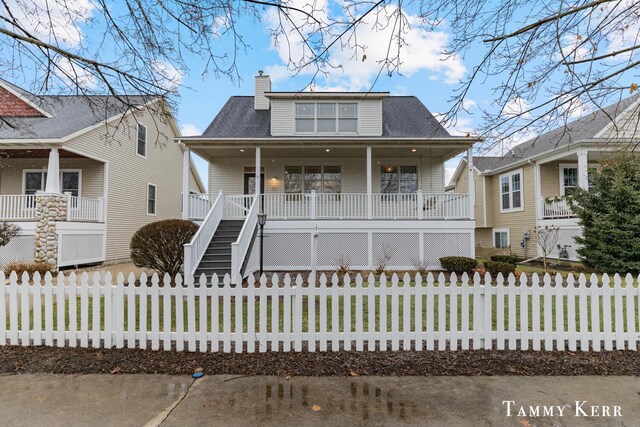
[413,150]
[242,150]
[327,150]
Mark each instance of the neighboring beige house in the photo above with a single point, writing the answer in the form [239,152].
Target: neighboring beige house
[81,174]
[345,178]
[527,187]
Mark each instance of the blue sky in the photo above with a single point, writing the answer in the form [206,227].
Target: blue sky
[424,73]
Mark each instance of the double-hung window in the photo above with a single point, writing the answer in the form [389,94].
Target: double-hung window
[398,179]
[326,117]
[569,178]
[511,191]
[321,179]
[501,238]
[141,141]
[151,199]
[36,181]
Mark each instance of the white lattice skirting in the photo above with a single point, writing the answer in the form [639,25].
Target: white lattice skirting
[293,250]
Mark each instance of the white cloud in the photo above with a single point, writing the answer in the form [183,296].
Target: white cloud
[516,108]
[168,75]
[421,50]
[189,129]
[74,75]
[54,21]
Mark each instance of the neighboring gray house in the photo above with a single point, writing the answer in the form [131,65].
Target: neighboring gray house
[81,174]
[345,178]
[528,186]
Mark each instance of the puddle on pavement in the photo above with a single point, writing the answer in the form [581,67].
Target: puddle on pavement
[357,398]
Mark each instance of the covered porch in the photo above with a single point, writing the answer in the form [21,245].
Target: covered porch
[56,197]
[314,182]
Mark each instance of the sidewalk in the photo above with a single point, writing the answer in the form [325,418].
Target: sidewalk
[136,400]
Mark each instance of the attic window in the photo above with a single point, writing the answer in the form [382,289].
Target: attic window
[326,118]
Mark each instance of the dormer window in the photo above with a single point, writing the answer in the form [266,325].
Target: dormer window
[326,118]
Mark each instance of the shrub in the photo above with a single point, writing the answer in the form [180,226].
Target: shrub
[159,245]
[495,267]
[7,232]
[509,259]
[458,264]
[30,267]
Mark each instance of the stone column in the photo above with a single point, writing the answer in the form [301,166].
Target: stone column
[50,208]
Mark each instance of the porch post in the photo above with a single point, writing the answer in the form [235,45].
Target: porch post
[258,171]
[369,184]
[53,173]
[186,170]
[538,191]
[471,184]
[583,170]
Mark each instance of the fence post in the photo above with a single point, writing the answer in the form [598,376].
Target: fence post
[312,205]
[478,312]
[68,194]
[420,204]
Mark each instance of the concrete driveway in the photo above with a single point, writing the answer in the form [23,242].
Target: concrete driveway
[137,400]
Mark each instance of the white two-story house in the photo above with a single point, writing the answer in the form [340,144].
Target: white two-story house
[352,179]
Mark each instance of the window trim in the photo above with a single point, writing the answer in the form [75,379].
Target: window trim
[398,166]
[146,139]
[561,167]
[501,230]
[155,201]
[43,171]
[511,208]
[336,118]
[303,172]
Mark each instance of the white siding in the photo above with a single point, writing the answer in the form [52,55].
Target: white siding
[262,85]
[370,117]
[283,117]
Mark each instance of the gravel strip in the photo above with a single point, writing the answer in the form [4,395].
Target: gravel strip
[54,360]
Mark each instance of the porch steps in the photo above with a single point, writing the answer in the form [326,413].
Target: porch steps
[217,257]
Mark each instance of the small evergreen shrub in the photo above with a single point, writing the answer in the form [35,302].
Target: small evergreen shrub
[495,267]
[159,245]
[459,264]
[509,259]
[30,267]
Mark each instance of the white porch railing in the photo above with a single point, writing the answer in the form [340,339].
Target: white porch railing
[85,209]
[237,206]
[194,250]
[18,207]
[199,205]
[431,206]
[240,247]
[555,208]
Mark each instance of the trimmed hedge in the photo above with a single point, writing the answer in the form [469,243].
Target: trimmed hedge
[509,259]
[459,264]
[159,245]
[495,267]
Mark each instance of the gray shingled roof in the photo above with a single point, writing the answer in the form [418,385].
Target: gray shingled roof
[402,117]
[584,128]
[69,115]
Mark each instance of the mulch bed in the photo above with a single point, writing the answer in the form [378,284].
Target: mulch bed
[22,360]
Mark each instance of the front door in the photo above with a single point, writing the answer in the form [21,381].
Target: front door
[250,183]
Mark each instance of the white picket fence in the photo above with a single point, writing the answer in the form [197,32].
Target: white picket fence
[284,314]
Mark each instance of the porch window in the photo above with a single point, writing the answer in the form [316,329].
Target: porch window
[398,179]
[326,117]
[569,178]
[151,199]
[141,146]
[511,191]
[501,239]
[322,179]
[36,181]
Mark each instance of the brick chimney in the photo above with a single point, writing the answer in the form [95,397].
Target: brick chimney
[263,84]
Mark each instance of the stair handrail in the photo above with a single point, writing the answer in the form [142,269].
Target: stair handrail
[240,247]
[195,249]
